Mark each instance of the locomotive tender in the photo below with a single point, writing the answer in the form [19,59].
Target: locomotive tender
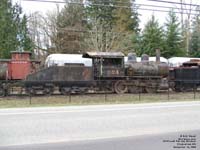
[185,77]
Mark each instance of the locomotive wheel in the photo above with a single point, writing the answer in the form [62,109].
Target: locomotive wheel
[179,88]
[2,92]
[134,89]
[151,89]
[65,90]
[48,91]
[120,87]
[31,91]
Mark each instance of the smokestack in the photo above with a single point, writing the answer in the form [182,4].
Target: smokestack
[158,55]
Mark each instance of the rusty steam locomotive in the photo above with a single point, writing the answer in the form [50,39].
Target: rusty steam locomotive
[109,72]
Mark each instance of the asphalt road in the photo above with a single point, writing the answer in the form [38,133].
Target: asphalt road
[93,123]
[165,141]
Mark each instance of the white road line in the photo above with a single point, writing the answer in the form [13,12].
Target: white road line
[95,110]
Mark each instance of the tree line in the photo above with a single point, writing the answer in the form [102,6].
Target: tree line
[96,25]
[13,29]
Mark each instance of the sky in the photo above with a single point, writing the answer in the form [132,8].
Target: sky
[30,7]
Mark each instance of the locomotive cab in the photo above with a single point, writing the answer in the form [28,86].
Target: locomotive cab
[107,65]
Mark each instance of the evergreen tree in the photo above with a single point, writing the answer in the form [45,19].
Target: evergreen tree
[70,26]
[115,25]
[7,29]
[173,36]
[195,39]
[152,38]
[126,18]
[11,28]
[126,23]
[101,21]
[25,42]
[101,11]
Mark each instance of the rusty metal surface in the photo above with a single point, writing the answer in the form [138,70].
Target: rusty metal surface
[103,55]
[147,69]
[20,56]
[20,65]
[19,69]
[62,73]
[3,70]
[192,62]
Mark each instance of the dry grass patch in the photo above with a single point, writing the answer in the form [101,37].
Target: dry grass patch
[94,99]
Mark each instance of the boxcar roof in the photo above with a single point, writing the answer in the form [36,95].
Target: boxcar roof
[103,55]
[22,52]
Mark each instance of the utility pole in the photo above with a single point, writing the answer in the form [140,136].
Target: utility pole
[182,26]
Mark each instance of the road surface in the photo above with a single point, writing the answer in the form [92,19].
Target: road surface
[144,142]
[93,123]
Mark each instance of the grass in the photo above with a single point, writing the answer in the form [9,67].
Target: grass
[42,101]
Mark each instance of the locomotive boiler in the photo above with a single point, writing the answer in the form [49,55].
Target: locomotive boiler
[145,67]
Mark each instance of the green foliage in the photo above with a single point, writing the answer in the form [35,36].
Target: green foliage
[173,39]
[152,38]
[127,23]
[7,41]
[70,25]
[25,43]
[114,27]
[104,15]
[195,38]
[100,20]
[126,19]
[12,29]
[129,43]
[71,15]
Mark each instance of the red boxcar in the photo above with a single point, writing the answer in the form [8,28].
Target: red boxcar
[18,67]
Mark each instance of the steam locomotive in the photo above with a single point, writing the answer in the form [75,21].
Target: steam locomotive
[107,72]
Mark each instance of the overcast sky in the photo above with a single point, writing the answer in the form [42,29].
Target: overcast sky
[30,7]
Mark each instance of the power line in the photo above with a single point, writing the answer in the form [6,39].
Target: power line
[77,3]
[62,2]
[163,1]
[156,10]
[90,31]
[158,6]
[102,5]
[46,1]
